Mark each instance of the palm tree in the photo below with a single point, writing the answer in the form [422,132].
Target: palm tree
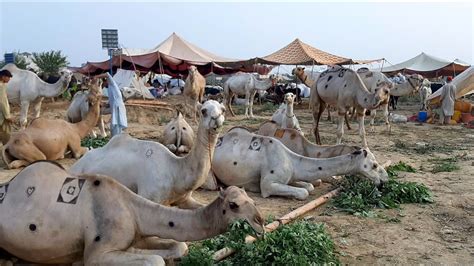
[50,62]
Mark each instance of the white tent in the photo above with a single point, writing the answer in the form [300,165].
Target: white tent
[128,79]
[464,85]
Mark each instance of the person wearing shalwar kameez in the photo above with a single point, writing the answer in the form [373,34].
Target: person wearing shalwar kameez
[448,96]
[117,107]
[5,116]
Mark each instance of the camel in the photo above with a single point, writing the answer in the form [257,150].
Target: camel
[297,143]
[284,116]
[67,218]
[372,81]
[425,92]
[245,84]
[194,89]
[78,110]
[410,86]
[309,79]
[27,88]
[49,139]
[161,176]
[178,136]
[263,164]
[343,88]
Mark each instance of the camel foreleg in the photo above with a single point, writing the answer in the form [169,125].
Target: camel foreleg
[123,258]
[385,116]
[347,121]
[211,182]
[360,117]
[25,105]
[373,113]
[247,103]
[340,126]
[189,203]
[37,107]
[305,185]
[269,187]
[165,248]
[76,149]
[102,127]
[252,97]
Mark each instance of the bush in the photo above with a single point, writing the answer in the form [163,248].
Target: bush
[94,142]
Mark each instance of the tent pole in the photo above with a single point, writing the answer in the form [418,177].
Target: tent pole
[381,68]
[312,68]
[454,71]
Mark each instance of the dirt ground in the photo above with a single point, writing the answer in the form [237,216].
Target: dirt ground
[438,233]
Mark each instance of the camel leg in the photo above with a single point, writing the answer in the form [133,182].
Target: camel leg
[252,97]
[385,115]
[360,117]
[340,126]
[269,187]
[305,185]
[165,248]
[189,203]
[25,105]
[316,117]
[373,113]
[329,113]
[124,258]
[37,107]
[228,102]
[76,148]
[247,103]
[346,119]
[102,127]
[211,182]
[17,164]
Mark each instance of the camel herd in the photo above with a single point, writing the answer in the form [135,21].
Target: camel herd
[115,204]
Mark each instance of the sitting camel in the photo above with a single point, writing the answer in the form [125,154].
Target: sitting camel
[297,143]
[161,177]
[178,136]
[411,85]
[245,84]
[343,88]
[264,164]
[26,87]
[194,90]
[95,219]
[49,139]
[284,116]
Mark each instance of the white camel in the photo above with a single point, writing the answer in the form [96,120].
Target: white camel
[425,92]
[264,164]
[178,135]
[50,216]
[27,88]
[411,85]
[151,170]
[343,88]
[284,116]
[248,85]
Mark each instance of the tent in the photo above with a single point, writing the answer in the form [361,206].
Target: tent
[428,66]
[299,53]
[127,78]
[173,56]
[464,85]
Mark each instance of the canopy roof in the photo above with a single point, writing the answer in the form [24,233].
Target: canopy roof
[299,53]
[464,83]
[428,66]
[173,56]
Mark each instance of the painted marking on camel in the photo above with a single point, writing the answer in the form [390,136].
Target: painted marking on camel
[3,192]
[29,191]
[70,190]
[256,144]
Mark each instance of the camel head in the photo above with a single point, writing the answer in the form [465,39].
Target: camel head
[298,71]
[289,98]
[212,115]
[192,70]
[274,79]
[381,94]
[416,80]
[237,205]
[368,167]
[95,93]
[65,76]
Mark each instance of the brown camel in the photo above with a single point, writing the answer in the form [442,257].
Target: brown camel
[49,139]
[194,89]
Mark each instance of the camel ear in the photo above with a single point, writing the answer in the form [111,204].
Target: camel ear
[221,193]
[302,68]
[204,112]
[365,153]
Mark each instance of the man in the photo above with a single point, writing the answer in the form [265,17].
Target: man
[117,107]
[5,117]
[448,95]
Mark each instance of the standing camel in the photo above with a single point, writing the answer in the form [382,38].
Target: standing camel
[343,88]
[194,89]
[26,87]
[245,84]
[412,85]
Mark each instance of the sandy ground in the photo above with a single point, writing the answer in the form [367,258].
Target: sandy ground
[438,233]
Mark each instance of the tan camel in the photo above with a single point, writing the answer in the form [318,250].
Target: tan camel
[309,79]
[264,164]
[194,89]
[245,84]
[161,177]
[66,218]
[284,116]
[297,143]
[343,88]
[178,136]
[49,139]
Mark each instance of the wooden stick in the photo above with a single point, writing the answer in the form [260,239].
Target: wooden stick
[225,252]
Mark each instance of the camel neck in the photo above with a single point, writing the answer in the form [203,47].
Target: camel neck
[402,89]
[306,80]
[90,121]
[364,97]
[182,225]
[312,169]
[198,162]
[263,84]
[53,90]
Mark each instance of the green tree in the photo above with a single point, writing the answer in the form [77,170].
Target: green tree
[50,62]
[20,62]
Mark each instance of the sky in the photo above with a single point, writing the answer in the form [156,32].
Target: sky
[395,31]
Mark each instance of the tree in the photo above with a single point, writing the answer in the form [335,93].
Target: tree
[49,63]
[20,62]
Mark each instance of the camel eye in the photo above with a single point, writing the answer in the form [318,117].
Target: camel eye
[184,128]
[375,166]
[233,205]
[172,128]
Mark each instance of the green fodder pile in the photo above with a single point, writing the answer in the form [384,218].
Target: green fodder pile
[360,197]
[94,143]
[298,243]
